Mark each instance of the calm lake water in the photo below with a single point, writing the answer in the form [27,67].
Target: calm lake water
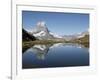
[56,55]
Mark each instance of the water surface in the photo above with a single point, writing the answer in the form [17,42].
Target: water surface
[55,55]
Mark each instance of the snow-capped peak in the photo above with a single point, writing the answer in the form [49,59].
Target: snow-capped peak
[41,23]
[41,31]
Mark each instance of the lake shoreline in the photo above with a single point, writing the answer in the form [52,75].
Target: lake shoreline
[28,44]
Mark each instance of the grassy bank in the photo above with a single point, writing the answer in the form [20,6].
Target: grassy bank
[28,44]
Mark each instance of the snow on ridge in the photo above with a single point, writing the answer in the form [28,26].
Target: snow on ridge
[55,35]
[41,33]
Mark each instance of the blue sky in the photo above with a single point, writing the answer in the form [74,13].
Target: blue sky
[59,23]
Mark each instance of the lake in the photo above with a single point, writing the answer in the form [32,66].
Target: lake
[55,55]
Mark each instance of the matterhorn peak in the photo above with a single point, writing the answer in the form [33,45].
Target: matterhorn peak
[41,24]
[41,32]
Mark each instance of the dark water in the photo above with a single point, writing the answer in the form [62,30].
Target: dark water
[56,55]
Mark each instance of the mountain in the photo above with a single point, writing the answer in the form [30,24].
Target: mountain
[42,33]
[84,39]
[55,35]
[75,36]
[83,34]
[69,37]
[26,36]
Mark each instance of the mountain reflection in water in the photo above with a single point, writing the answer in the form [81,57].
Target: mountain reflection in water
[40,51]
[42,56]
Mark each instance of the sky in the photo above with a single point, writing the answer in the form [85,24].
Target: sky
[57,22]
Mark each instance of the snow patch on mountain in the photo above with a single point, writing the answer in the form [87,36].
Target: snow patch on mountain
[41,33]
[55,35]
[80,35]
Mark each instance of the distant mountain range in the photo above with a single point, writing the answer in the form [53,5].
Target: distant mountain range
[41,32]
[76,36]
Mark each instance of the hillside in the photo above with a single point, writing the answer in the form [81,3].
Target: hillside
[84,40]
[26,36]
